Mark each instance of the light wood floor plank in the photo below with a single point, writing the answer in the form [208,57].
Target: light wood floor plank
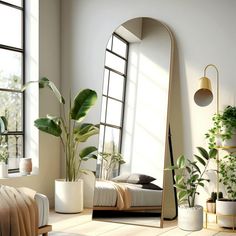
[82,225]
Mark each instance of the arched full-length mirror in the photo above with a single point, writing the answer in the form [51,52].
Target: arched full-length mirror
[134,122]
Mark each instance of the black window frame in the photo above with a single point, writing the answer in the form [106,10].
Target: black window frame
[21,50]
[105,124]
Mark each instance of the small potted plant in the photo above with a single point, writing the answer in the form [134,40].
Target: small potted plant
[188,178]
[226,207]
[223,131]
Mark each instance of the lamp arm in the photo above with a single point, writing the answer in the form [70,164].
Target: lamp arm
[217,84]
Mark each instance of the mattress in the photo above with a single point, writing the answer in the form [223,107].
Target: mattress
[105,194]
[43,208]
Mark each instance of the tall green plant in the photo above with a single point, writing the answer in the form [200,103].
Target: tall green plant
[189,175]
[69,127]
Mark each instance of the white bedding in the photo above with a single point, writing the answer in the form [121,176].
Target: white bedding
[105,195]
[43,208]
[144,197]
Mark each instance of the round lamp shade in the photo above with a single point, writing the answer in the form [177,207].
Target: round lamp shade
[203,95]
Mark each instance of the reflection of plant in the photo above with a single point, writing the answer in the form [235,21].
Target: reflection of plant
[224,126]
[227,175]
[111,160]
[69,127]
[190,175]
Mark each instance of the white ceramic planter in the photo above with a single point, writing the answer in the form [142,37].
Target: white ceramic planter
[230,142]
[3,170]
[190,218]
[68,196]
[225,211]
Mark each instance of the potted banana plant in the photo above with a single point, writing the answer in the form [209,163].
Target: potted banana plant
[188,177]
[71,130]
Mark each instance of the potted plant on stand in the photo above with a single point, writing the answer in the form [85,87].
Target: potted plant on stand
[223,131]
[71,130]
[188,178]
[226,207]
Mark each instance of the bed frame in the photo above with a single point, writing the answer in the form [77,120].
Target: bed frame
[44,230]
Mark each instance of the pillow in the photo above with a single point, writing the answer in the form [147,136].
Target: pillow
[140,179]
[121,178]
[151,186]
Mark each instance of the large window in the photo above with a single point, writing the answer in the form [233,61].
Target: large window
[12,71]
[113,97]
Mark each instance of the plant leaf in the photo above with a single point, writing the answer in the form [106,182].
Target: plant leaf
[45,82]
[203,152]
[213,152]
[181,162]
[82,104]
[180,186]
[86,151]
[84,131]
[181,195]
[48,126]
[200,160]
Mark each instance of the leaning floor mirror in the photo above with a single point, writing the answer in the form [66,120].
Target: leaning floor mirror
[134,124]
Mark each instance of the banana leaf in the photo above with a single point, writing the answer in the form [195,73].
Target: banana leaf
[84,131]
[48,126]
[83,102]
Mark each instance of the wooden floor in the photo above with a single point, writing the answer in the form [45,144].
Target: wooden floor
[82,225]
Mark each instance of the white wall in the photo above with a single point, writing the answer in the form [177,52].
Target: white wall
[49,65]
[204,33]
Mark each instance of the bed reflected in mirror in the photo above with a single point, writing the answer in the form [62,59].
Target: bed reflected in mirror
[134,124]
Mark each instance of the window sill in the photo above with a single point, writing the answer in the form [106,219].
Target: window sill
[15,175]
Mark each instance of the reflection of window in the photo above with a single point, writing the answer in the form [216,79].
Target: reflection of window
[113,99]
[12,76]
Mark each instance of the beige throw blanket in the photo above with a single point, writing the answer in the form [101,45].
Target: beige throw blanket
[18,212]
[123,196]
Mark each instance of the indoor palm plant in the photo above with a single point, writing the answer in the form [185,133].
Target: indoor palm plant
[188,178]
[71,130]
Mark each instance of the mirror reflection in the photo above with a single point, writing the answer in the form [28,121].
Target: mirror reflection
[133,131]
